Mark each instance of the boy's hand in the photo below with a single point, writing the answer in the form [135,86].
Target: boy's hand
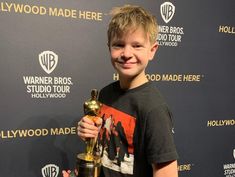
[88,127]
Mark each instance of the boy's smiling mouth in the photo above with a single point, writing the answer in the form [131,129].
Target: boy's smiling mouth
[126,64]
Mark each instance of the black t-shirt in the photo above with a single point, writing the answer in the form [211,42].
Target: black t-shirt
[137,130]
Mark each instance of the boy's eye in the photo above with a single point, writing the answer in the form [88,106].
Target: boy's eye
[117,45]
[137,45]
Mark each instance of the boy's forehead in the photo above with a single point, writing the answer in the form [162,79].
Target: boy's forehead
[120,35]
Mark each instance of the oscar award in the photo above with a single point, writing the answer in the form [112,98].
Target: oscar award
[89,163]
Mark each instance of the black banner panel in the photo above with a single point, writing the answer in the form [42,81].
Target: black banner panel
[52,53]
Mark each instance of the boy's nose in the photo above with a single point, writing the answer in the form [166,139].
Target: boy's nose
[126,53]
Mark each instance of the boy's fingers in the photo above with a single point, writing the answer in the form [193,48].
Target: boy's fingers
[84,125]
[86,133]
[88,127]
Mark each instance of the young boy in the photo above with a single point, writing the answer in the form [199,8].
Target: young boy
[136,132]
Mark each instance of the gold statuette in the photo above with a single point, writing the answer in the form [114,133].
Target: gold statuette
[88,163]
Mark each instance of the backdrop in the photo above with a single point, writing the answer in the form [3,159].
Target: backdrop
[52,53]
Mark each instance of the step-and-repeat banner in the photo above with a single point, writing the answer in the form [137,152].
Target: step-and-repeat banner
[52,53]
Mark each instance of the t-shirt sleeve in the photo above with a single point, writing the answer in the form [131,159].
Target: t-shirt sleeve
[159,139]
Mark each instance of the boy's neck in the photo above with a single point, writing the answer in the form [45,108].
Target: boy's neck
[127,84]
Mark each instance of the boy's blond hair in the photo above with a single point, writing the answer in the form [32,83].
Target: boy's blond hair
[129,17]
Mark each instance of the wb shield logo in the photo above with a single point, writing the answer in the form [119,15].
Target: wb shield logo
[50,170]
[48,61]
[167,11]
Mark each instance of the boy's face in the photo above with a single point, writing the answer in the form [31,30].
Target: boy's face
[131,53]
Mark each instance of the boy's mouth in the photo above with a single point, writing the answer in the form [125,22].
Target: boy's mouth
[125,62]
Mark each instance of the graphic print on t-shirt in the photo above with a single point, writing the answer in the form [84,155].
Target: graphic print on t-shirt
[116,138]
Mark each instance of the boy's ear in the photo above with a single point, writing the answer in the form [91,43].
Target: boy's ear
[153,50]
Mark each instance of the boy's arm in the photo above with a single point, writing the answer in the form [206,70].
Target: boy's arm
[168,169]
